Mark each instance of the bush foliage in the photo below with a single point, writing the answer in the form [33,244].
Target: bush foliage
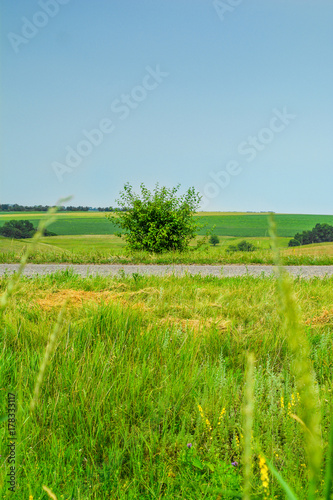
[213,240]
[243,246]
[20,229]
[157,221]
[319,234]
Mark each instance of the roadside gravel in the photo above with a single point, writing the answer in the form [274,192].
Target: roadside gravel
[162,270]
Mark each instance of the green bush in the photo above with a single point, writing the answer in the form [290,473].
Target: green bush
[293,243]
[18,229]
[157,221]
[243,246]
[21,229]
[213,240]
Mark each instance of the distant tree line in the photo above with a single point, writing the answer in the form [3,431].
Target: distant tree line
[6,207]
[319,234]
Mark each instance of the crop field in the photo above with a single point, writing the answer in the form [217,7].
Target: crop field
[225,224]
[138,392]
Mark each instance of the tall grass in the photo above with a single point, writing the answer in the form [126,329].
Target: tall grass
[205,255]
[140,394]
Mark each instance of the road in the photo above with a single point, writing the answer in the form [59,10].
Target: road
[230,270]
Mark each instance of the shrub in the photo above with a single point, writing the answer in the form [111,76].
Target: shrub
[157,221]
[294,243]
[21,229]
[213,240]
[243,246]
[18,229]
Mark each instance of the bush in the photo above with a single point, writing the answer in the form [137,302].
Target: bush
[213,240]
[157,221]
[18,229]
[243,246]
[293,243]
[21,229]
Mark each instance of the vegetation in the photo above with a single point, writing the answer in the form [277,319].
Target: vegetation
[79,243]
[158,221]
[243,246]
[136,387]
[21,229]
[237,225]
[214,240]
[134,360]
[101,249]
[321,233]
[6,207]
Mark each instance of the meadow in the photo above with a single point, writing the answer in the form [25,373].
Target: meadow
[142,387]
[143,392]
[89,238]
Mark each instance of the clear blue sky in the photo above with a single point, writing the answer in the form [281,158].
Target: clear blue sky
[235,100]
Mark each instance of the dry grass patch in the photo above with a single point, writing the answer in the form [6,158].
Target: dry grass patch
[80,298]
[324,318]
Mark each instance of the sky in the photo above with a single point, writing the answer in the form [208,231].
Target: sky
[233,97]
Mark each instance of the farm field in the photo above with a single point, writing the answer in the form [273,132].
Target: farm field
[85,238]
[143,393]
[102,249]
[226,224]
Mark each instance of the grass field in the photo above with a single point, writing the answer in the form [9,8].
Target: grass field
[111,249]
[88,238]
[143,366]
[143,387]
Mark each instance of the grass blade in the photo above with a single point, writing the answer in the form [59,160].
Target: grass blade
[248,420]
[329,467]
[288,491]
[302,369]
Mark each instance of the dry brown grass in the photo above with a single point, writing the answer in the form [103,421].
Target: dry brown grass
[80,298]
[326,317]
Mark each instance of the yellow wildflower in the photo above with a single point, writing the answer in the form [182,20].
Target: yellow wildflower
[221,416]
[237,440]
[264,475]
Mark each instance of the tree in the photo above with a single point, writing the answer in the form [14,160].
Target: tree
[319,234]
[213,240]
[18,229]
[21,229]
[157,221]
[293,243]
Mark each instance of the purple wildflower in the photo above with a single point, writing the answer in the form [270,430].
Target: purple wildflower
[235,464]
[189,445]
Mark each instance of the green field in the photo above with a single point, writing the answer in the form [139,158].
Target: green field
[142,387]
[91,241]
[144,366]
[226,224]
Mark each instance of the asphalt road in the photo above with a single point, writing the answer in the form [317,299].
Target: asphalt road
[162,270]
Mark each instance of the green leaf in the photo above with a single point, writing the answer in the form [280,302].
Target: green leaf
[3,418]
[210,466]
[196,462]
